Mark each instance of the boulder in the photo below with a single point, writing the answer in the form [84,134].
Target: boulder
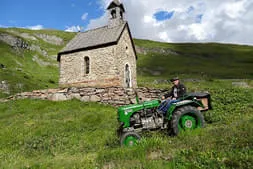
[58,97]
[95,98]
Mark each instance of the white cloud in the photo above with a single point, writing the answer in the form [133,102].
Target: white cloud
[3,26]
[84,16]
[73,28]
[35,27]
[228,21]
[234,10]
[94,23]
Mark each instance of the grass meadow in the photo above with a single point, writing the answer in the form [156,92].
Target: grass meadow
[37,134]
[73,134]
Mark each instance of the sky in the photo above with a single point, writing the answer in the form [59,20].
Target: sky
[223,21]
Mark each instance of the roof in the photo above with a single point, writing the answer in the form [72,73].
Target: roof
[95,38]
[116,3]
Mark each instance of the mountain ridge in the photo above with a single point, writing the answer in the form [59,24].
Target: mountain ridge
[81,134]
[28,59]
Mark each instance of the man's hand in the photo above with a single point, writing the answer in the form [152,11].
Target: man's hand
[163,98]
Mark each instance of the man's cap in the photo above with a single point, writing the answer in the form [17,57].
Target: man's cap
[174,79]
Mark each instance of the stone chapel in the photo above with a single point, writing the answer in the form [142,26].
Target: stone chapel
[101,57]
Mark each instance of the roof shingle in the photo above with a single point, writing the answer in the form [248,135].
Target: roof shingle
[94,37]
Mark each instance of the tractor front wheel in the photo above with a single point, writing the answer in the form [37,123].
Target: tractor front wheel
[186,118]
[129,139]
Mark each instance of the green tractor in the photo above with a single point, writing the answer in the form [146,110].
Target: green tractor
[181,116]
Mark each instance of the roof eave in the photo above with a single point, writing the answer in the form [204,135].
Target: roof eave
[102,45]
[132,42]
[86,48]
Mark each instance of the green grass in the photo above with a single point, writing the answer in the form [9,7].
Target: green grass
[199,61]
[208,60]
[24,74]
[47,133]
[72,134]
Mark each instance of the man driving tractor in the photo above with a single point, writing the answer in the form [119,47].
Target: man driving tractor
[178,90]
[185,114]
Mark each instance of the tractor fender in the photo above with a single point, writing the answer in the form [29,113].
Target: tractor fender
[174,106]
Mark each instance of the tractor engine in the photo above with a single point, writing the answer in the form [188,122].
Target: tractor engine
[152,122]
[147,119]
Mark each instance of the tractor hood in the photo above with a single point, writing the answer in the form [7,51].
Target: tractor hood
[125,112]
[137,107]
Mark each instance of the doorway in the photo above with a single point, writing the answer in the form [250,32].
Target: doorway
[127,76]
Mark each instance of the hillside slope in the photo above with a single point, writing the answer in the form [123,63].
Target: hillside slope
[28,60]
[210,60]
[73,134]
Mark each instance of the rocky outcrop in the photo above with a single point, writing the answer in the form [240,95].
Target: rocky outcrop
[19,43]
[23,35]
[38,49]
[241,84]
[144,50]
[42,62]
[115,96]
[52,39]
[4,87]
[13,41]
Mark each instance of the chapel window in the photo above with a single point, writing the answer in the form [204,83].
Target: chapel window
[113,13]
[86,65]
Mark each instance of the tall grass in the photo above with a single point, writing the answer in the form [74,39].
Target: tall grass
[73,134]
[210,60]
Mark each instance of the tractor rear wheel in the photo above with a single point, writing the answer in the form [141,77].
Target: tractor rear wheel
[129,139]
[186,118]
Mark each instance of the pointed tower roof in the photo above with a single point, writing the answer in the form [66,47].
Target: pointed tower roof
[116,3]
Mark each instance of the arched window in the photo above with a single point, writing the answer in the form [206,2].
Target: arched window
[86,65]
[113,13]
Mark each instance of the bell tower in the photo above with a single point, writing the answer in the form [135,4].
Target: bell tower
[115,13]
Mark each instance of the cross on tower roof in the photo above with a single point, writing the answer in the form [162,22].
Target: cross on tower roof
[116,3]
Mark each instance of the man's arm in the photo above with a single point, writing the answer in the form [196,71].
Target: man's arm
[168,94]
[182,90]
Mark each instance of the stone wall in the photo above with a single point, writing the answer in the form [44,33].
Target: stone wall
[115,96]
[107,65]
[103,68]
[126,56]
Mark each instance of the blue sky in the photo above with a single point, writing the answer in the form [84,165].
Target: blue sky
[226,21]
[56,14]
[163,15]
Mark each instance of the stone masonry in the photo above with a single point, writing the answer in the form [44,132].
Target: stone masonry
[115,96]
[107,66]
[102,57]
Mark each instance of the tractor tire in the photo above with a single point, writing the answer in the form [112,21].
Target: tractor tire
[129,139]
[186,118]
